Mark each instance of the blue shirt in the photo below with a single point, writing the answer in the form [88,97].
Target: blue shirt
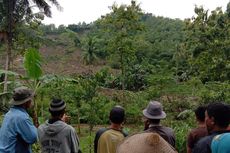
[220,143]
[17,132]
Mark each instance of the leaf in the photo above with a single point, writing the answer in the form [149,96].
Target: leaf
[32,63]
[8,72]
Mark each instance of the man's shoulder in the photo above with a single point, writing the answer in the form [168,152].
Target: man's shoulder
[41,126]
[66,126]
[208,139]
[108,131]
[205,140]
[198,129]
[167,129]
[102,130]
[198,132]
[70,127]
[203,145]
[20,116]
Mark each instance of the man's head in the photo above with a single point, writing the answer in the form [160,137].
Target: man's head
[200,113]
[117,115]
[153,113]
[217,117]
[57,107]
[23,97]
[154,110]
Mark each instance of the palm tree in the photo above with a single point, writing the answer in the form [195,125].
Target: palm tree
[13,12]
[89,49]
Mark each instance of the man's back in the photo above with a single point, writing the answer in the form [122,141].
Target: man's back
[17,132]
[195,135]
[165,132]
[59,137]
[108,141]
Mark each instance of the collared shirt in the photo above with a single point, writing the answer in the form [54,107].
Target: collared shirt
[165,132]
[17,132]
[204,144]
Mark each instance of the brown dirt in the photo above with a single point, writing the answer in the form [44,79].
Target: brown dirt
[59,61]
[56,60]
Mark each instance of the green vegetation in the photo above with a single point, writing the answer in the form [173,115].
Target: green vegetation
[126,58]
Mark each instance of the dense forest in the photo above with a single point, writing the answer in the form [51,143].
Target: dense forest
[126,57]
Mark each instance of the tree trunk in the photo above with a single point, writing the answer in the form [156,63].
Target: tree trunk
[122,70]
[35,114]
[7,64]
[9,41]
[90,135]
[78,124]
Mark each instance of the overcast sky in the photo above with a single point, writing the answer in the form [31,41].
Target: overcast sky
[75,11]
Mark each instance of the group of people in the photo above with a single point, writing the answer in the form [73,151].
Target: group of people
[212,133]
[18,133]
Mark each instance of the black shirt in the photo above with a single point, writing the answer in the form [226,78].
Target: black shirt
[165,132]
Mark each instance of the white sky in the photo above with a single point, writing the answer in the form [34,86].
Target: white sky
[75,11]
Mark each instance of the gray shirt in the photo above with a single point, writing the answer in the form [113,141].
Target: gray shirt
[58,137]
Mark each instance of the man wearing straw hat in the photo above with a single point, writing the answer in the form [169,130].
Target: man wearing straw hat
[18,132]
[55,135]
[152,116]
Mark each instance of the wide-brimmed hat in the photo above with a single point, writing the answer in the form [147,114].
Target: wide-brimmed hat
[145,143]
[154,110]
[21,95]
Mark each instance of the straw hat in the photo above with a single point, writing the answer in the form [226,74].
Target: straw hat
[145,143]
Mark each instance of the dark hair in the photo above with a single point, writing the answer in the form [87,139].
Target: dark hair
[200,113]
[117,115]
[57,107]
[57,113]
[154,121]
[221,114]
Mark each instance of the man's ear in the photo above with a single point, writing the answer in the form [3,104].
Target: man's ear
[212,120]
[147,121]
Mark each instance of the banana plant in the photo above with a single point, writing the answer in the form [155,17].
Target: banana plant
[33,68]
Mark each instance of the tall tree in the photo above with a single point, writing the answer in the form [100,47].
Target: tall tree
[123,24]
[89,49]
[12,13]
[209,44]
